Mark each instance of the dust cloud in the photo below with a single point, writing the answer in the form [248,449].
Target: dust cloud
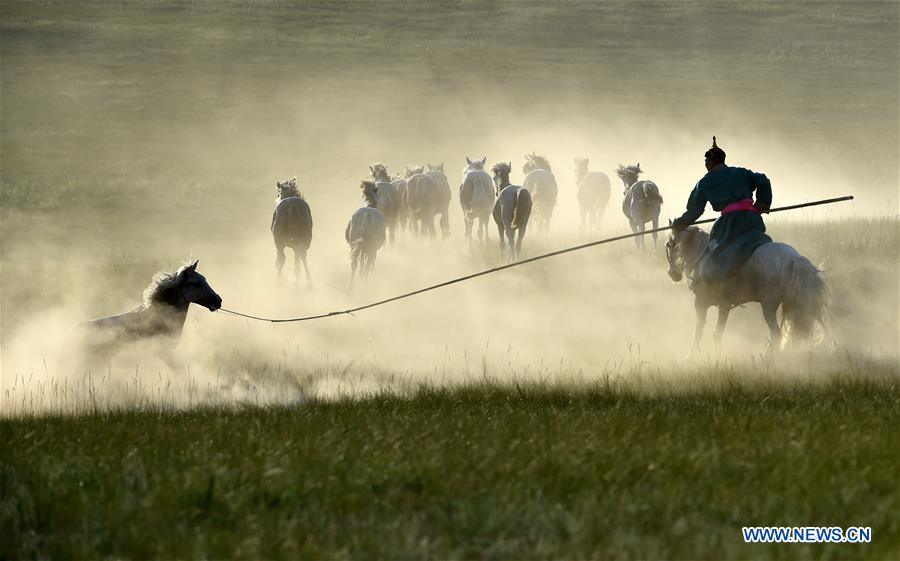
[136,138]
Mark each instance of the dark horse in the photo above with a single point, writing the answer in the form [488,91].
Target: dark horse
[155,325]
[442,197]
[291,226]
[511,210]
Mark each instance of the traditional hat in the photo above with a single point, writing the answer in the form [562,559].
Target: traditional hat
[715,153]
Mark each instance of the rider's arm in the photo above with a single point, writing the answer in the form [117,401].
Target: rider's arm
[695,206]
[763,188]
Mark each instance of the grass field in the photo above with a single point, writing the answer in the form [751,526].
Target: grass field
[544,412]
[483,470]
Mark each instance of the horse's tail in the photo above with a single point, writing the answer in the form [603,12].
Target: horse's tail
[300,224]
[522,210]
[805,300]
[651,193]
[365,232]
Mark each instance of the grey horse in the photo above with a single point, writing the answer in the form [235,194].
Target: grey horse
[641,203]
[511,210]
[476,197]
[540,182]
[365,233]
[153,326]
[291,226]
[421,200]
[399,183]
[775,275]
[388,197]
[442,196]
[593,194]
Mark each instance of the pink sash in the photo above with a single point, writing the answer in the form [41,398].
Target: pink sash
[745,204]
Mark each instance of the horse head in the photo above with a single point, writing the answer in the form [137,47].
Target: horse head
[474,165]
[413,170]
[533,162]
[196,290]
[684,248]
[629,174]
[287,188]
[379,172]
[500,171]
[581,167]
[369,192]
[439,167]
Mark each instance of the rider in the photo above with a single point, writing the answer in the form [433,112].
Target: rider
[740,229]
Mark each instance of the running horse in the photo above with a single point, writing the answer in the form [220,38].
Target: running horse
[154,326]
[641,203]
[291,226]
[775,275]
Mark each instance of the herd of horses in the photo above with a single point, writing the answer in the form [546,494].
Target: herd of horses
[411,203]
[776,275]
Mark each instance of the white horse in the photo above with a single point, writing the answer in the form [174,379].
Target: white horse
[476,197]
[388,194]
[593,194]
[365,233]
[775,275]
[641,202]
[442,196]
[541,184]
[421,201]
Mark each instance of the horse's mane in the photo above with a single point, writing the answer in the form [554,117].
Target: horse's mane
[163,281]
[697,240]
[379,171]
[533,161]
[288,189]
[626,172]
[368,191]
[501,169]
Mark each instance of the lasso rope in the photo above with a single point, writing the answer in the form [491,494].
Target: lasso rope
[350,311]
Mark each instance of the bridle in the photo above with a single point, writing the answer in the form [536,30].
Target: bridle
[687,269]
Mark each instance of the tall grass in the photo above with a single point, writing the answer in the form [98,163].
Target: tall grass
[512,471]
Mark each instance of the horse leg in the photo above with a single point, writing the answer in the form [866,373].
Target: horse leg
[500,231]
[432,232]
[279,258]
[370,262]
[511,242]
[770,314]
[720,326]
[634,230]
[296,264]
[655,234]
[306,268]
[521,234]
[354,263]
[700,309]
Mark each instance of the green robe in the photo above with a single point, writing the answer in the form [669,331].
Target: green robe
[735,235]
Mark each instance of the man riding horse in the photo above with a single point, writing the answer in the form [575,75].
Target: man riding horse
[740,229]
